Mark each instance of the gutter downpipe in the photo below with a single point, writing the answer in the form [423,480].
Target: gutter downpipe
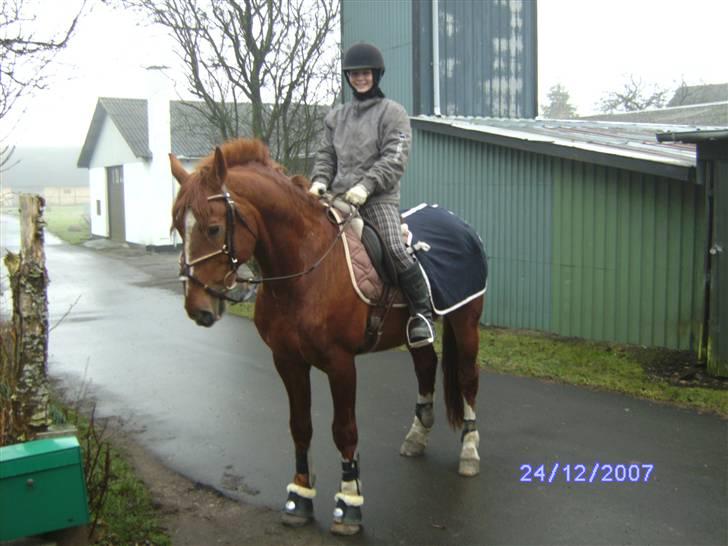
[435,59]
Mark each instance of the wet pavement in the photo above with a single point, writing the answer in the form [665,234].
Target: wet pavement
[209,404]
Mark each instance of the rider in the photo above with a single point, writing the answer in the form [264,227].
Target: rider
[363,156]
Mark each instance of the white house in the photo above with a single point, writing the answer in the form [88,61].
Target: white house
[126,153]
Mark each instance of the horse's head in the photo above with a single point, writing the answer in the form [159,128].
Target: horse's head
[217,237]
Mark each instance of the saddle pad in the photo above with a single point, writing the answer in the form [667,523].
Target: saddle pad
[367,283]
[451,254]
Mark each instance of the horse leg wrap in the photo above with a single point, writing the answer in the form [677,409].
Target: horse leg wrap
[416,440]
[303,467]
[349,500]
[469,456]
[298,509]
[424,411]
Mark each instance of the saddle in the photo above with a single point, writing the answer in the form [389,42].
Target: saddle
[371,267]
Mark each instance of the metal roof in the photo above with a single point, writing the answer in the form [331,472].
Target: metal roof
[711,114]
[699,94]
[632,146]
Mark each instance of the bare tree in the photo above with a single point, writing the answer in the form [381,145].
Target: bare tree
[258,66]
[25,54]
[559,106]
[634,96]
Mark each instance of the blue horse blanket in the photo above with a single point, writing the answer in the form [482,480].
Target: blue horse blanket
[450,252]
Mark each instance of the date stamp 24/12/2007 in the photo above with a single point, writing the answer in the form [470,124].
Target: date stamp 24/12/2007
[586,473]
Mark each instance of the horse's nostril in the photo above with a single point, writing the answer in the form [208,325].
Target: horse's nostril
[205,318]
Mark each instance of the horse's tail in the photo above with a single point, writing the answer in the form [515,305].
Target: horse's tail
[451,381]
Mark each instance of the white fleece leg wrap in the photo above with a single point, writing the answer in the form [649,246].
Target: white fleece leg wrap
[468,411]
[471,442]
[301,491]
[418,433]
[350,493]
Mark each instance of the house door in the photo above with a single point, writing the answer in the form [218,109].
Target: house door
[115,193]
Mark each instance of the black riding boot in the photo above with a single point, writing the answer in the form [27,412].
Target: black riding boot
[420,330]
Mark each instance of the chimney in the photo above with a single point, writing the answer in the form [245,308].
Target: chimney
[159,93]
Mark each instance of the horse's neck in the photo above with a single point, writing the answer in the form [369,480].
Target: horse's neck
[292,235]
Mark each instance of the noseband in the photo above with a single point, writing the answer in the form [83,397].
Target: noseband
[231,278]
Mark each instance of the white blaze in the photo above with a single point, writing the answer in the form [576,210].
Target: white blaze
[190,223]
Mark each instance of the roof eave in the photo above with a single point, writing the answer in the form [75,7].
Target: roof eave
[680,170]
[693,137]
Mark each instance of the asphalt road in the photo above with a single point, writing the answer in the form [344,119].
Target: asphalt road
[209,404]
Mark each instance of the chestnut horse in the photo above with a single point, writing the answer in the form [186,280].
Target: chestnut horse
[238,204]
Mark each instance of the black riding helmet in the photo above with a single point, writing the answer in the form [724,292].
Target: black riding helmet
[361,56]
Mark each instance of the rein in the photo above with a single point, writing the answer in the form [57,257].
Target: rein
[228,249]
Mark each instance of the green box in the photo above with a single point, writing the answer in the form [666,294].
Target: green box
[41,487]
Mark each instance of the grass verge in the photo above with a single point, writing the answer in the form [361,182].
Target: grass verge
[613,367]
[126,514]
[68,222]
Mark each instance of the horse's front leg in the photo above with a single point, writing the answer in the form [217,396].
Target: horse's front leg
[425,361]
[298,509]
[349,499]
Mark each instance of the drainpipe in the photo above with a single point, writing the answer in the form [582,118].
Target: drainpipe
[435,59]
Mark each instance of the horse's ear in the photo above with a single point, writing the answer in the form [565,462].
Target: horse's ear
[219,166]
[301,181]
[178,171]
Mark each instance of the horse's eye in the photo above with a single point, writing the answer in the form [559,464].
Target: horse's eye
[212,231]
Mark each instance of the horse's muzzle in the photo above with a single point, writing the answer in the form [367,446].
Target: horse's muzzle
[204,318]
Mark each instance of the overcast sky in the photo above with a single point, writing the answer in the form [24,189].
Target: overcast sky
[591,47]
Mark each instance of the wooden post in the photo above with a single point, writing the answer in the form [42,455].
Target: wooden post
[29,283]
[715,155]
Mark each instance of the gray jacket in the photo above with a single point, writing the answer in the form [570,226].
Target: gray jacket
[365,142]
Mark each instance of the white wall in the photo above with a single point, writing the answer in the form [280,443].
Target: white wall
[111,148]
[97,192]
[148,200]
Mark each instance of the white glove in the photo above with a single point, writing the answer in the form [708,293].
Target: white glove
[356,195]
[317,188]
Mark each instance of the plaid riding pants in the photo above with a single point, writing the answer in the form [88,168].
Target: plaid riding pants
[386,219]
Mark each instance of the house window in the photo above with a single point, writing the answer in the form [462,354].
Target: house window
[98,207]
[115,175]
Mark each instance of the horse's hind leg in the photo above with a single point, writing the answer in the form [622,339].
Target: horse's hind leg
[460,354]
[425,361]
[298,509]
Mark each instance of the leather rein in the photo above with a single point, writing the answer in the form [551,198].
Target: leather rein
[231,279]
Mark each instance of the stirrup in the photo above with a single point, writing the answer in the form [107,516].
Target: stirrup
[423,339]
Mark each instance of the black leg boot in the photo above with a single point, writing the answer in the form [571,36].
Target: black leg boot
[420,330]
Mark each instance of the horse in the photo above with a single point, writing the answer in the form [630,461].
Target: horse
[238,204]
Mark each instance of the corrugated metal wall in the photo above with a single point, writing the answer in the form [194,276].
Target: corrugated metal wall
[487,53]
[388,25]
[575,249]
[488,58]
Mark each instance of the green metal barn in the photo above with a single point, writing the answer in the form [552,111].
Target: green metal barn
[593,229]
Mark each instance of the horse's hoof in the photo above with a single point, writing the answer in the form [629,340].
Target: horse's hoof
[347,519]
[298,510]
[292,520]
[345,529]
[411,449]
[469,467]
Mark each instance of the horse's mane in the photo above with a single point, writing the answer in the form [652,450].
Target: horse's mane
[244,151]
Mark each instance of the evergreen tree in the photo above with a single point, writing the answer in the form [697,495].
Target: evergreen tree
[559,106]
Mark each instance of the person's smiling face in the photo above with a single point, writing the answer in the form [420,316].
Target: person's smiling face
[361,80]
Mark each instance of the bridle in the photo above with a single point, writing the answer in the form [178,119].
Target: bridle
[231,279]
